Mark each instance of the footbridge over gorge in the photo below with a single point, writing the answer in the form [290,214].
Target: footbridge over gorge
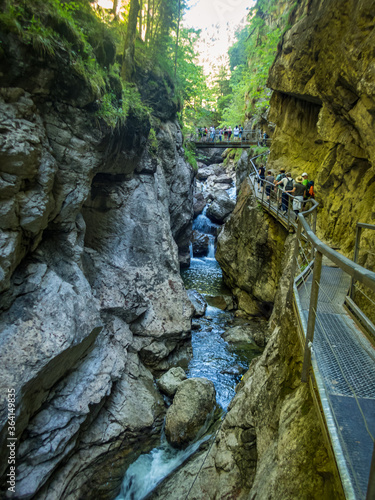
[248,139]
[337,341]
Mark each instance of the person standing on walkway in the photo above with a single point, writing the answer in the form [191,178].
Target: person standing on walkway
[279,177]
[261,172]
[220,134]
[265,137]
[305,178]
[225,134]
[305,182]
[286,187]
[241,130]
[229,132]
[298,192]
[236,132]
[212,130]
[269,187]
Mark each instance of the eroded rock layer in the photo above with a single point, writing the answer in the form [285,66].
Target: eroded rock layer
[324,108]
[92,303]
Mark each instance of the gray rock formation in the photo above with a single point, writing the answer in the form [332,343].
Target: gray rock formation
[221,207]
[92,304]
[270,444]
[170,381]
[199,203]
[212,156]
[194,401]
[200,243]
[198,302]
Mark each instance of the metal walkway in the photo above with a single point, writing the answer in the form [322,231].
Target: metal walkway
[345,371]
[339,360]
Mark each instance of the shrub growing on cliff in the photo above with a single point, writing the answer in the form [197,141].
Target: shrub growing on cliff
[115,111]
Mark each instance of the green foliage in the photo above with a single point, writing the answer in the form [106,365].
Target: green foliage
[115,111]
[190,155]
[152,142]
[250,60]
[258,150]
[85,35]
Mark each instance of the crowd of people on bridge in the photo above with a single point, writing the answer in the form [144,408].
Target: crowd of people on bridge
[283,187]
[213,134]
[228,134]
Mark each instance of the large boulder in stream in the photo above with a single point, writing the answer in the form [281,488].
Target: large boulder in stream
[223,302]
[221,207]
[194,401]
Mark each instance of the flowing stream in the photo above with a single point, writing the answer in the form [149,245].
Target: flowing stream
[212,358]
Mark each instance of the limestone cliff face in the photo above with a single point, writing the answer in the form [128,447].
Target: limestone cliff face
[249,253]
[92,303]
[323,105]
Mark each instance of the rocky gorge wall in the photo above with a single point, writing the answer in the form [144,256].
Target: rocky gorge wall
[92,303]
[323,107]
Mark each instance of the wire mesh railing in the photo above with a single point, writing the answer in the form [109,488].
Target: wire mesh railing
[338,358]
[246,137]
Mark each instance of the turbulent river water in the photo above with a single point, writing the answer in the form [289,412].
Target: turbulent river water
[212,358]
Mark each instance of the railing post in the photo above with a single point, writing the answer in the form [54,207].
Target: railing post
[312,314]
[355,258]
[371,482]
[295,260]
[277,202]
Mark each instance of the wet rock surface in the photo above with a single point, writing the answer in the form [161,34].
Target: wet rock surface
[169,382]
[194,400]
[251,265]
[200,243]
[199,303]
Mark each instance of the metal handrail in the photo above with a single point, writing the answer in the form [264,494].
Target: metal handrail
[357,272]
[271,209]
[357,246]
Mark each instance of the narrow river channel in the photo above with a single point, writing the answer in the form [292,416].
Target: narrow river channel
[213,358]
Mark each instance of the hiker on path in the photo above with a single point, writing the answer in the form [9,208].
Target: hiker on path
[298,192]
[270,180]
[262,175]
[286,187]
[279,177]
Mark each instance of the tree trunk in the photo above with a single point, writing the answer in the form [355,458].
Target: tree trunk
[127,68]
[116,8]
[178,32]
[140,18]
[148,24]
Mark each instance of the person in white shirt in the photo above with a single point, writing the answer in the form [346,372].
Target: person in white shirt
[286,187]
